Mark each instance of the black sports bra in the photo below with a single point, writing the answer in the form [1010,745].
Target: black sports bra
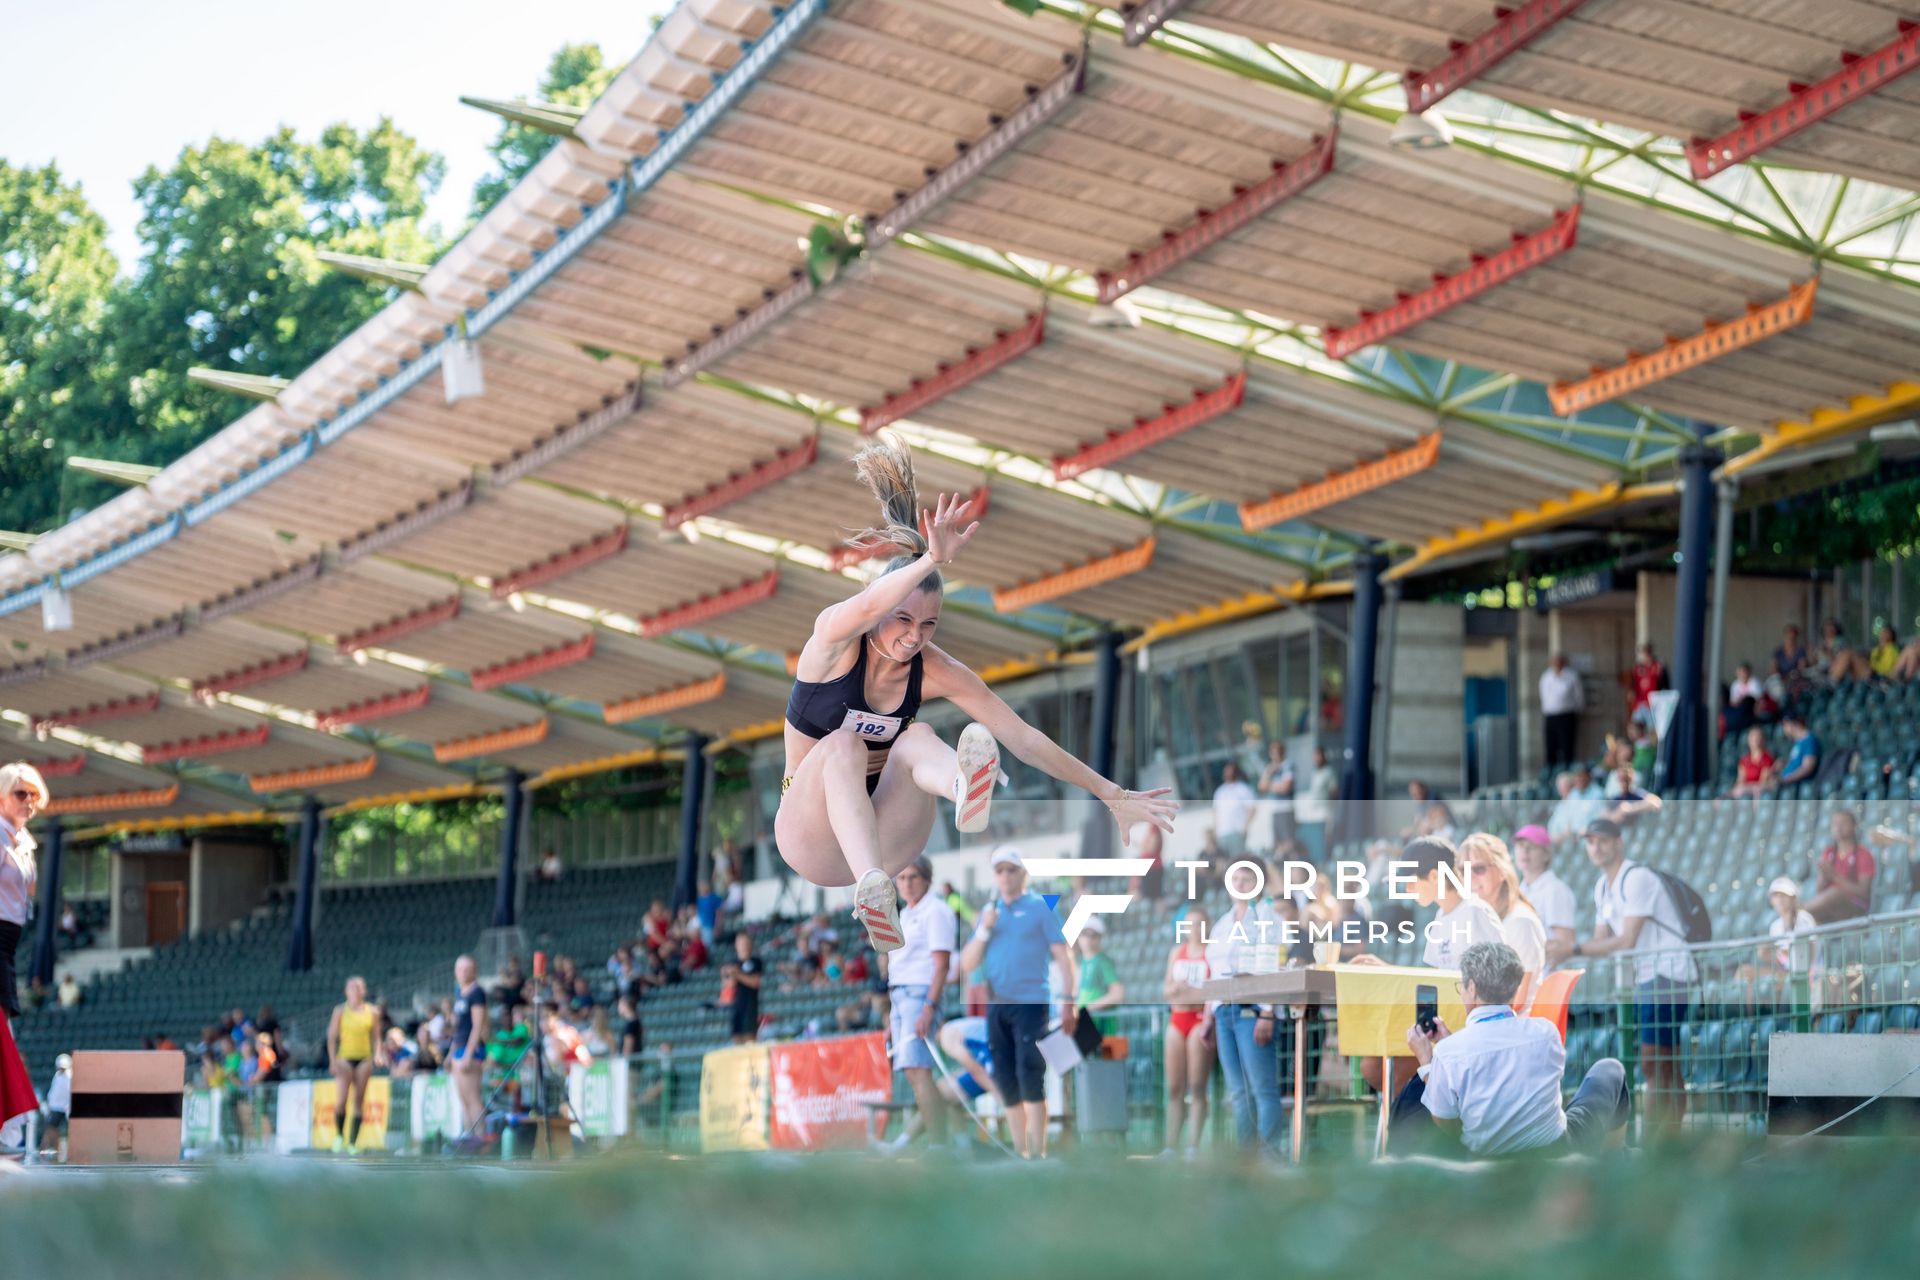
[817,709]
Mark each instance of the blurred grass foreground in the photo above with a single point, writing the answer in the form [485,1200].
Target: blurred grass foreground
[1826,1209]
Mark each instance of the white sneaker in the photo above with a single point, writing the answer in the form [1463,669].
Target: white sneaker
[877,906]
[979,758]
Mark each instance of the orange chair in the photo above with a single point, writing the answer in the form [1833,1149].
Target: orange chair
[1553,994]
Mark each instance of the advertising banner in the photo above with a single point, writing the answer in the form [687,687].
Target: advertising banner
[821,1088]
[598,1096]
[373,1125]
[293,1116]
[734,1097]
[435,1112]
[200,1119]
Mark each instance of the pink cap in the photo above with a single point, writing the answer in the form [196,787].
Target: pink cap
[1534,833]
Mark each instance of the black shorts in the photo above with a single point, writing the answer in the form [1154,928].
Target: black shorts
[746,1017]
[9,979]
[1014,1032]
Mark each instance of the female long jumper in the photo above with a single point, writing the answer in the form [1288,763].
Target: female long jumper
[858,800]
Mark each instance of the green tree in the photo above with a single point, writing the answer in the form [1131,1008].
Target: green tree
[56,276]
[575,76]
[229,276]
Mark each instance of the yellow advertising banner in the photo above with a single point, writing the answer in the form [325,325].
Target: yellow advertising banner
[1376,1006]
[736,1091]
[373,1125]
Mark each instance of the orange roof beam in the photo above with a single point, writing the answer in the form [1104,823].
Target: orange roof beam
[665,701]
[319,775]
[1762,321]
[1077,578]
[484,744]
[1342,485]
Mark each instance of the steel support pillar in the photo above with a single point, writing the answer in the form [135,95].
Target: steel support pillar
[693,812]
[507,884]
[1684,746]
[306,875]
[53,851]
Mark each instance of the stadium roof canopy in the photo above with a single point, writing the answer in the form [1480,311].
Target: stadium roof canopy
[1159,288]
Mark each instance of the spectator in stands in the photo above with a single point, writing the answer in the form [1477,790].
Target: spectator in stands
[1584,801]
[1233,802]
[871,1007]
[1906,666]
[550,866]
[1884,657]
[1791,655]
[578,998]
[1635,914]
[962,909]
[695,954]
[1100,990]
[69,992]
[1551,896]
[1495,1083]
[633,1036]
[706,909]
[599,1034]
[1313,806]
[69,926]
[916,986]
[1790,922]
[1633,799]
[1276,784]
[37,994]
[1843,881]
[507,990]
[59,1104]
[1754,772]
[620,968]
[402,1053]
[744,974]
[510,1039]
[1015,943]
[1743,701]
[1803,755]
[1834,656]
[1494,880]
[1245,940]
[1647,677]
[656,924]
[1561,699]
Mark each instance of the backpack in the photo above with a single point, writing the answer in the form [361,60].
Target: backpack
[1687,903]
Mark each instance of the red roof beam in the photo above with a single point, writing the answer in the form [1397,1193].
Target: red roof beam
[1448,292]
[258,673]
[847,557]
[134,705]
[706,608]
[1808,104]
[733,488]
[379,637]
[212,744]
[1512,31]
[64,767]
[393,704]
[1148,432]
[1210,226]
[562,655]
[977,364]
[572,560]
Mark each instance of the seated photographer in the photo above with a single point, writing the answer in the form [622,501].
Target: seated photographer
[1493,1087]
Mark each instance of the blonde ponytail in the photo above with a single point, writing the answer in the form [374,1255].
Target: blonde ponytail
[886,468]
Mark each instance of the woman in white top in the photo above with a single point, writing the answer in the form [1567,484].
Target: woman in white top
[1313,806]
[23,793]
[1791,921]
[1493,879]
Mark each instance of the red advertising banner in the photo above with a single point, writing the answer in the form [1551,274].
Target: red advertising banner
[820,1088]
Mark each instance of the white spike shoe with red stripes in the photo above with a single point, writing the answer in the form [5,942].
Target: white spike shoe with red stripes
[876,905]
[979,758]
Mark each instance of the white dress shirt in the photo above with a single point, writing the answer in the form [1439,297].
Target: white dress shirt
[1499,1076]
[1560,691]
[927,926]
[19,873]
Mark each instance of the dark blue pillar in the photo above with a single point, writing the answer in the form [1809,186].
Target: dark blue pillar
[693,794]
[507,887]
[1097,834]
[1683,748]
[305,876]
[53,849]
[1363,636]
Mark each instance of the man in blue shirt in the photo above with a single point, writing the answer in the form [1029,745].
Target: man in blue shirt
[1803,759]
[1016,940]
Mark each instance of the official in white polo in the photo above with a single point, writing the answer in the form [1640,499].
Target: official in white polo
[917,978]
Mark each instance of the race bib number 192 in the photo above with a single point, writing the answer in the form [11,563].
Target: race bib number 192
[871,727]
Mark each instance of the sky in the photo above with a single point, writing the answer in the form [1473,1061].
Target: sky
[106,88]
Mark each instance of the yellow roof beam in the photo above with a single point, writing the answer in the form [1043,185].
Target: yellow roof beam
[1250,605]
[1861,413]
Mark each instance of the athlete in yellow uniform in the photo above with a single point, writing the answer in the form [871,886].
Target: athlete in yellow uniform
[353,1050]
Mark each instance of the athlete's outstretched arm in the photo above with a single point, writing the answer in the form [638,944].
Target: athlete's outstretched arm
[946,530]
[947,678]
